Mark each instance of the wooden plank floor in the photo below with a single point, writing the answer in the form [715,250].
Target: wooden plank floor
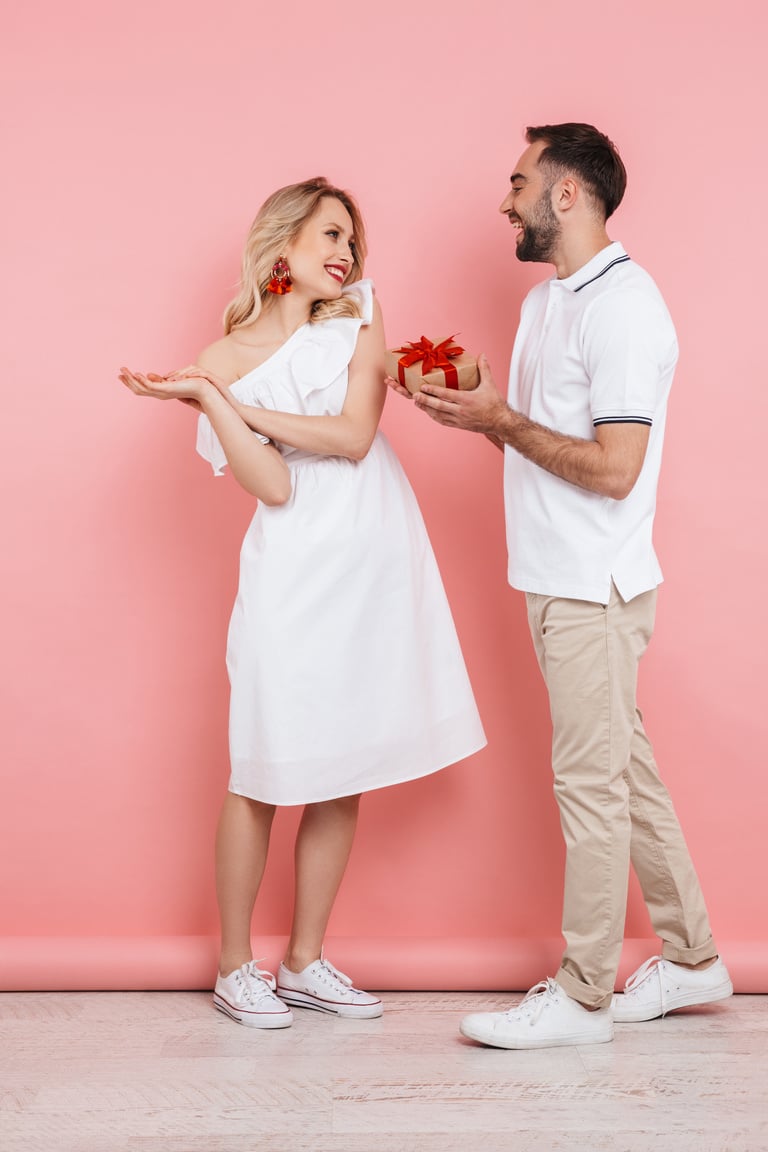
[164,1072]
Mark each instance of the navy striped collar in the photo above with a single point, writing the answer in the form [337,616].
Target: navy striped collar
[596,267]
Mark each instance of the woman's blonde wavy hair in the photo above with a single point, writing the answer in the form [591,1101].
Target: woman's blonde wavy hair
[279,220]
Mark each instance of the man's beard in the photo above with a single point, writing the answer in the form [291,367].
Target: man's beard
[540,234]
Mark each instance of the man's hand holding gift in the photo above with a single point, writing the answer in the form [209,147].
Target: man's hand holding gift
[480,409]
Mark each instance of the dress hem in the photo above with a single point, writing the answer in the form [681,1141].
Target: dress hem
[370,787]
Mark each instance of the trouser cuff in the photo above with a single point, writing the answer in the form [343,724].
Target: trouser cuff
[586,994]
[679,955]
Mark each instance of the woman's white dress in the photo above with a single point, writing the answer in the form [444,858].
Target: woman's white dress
[345,669]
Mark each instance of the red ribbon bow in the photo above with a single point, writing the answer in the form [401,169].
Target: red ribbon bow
[434,356]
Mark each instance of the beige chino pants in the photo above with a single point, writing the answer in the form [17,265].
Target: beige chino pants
[613,806]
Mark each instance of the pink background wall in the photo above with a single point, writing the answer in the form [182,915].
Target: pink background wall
[140,139]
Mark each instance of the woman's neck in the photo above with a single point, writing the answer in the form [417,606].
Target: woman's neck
[282,315]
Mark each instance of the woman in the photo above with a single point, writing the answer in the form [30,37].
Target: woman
[345,669]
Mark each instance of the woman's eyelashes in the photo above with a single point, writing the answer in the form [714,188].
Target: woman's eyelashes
[335,234]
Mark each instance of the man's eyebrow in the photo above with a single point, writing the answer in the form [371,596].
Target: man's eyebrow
[518,176]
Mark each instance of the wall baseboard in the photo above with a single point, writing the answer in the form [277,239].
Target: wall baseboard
[445,963]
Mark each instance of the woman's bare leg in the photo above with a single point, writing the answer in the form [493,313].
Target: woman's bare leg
[242,841]
[323,845]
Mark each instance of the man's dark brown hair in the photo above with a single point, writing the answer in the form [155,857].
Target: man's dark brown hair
[581,150]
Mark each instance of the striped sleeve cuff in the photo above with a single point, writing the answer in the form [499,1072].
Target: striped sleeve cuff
[623,420]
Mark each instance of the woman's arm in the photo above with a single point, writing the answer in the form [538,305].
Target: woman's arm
[350,433]
[257,467]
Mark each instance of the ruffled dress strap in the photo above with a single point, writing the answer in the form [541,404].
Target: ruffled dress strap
[308,364]
[363,289]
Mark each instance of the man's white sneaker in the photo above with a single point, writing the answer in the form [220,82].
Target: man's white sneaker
[324,988]
[547,1018]
[248,996]
[659,986]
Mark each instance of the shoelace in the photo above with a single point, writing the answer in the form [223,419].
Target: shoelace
[537,999]
[255,983]
[337,977]
[654,962]
[638,977]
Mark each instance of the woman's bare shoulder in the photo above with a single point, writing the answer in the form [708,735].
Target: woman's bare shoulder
[220,358]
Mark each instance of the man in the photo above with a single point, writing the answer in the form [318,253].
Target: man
[582,434]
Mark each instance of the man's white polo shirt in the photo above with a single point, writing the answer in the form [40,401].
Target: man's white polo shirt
[598,347]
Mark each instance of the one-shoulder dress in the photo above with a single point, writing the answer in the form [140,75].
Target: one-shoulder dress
[344,664]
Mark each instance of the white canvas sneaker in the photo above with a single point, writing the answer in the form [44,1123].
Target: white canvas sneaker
[324,988]
[547,1018]
[247,995]
[659,986]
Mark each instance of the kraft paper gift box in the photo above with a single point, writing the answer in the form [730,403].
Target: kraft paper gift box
[441,362]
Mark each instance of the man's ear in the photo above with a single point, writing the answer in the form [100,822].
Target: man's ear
[565,194]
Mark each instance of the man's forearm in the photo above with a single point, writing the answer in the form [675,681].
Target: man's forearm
[585,463]
[608,465]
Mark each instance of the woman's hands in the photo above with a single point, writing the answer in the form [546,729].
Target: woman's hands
[258,467]
[186,384]
[195,372]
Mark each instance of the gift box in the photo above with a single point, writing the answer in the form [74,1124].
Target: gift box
[442,363]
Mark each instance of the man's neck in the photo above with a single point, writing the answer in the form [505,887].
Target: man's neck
[577,250]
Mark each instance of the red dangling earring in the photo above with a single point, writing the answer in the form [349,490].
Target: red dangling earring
[281,278]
